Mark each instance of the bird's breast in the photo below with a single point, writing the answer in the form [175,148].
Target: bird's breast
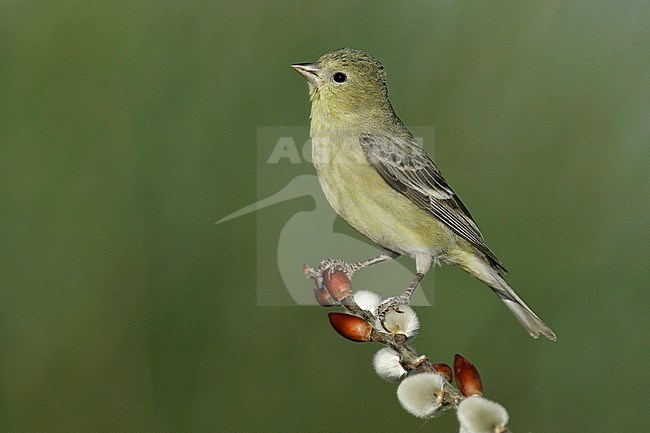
[361,197]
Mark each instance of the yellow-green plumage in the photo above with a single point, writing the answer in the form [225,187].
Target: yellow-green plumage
[381,182]
[362,198]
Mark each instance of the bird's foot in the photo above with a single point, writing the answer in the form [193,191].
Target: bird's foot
[348,268]
[392,304]
[333,265]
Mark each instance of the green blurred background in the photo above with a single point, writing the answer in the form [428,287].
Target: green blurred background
[129,127]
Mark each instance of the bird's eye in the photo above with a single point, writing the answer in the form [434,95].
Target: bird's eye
[340,77]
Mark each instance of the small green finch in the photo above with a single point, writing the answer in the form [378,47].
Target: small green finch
[378,179]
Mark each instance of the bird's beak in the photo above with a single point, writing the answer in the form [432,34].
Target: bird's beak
[309,71]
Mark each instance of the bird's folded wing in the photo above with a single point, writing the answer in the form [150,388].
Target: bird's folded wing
[406,167]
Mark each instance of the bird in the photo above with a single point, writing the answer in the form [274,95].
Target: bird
[378,178]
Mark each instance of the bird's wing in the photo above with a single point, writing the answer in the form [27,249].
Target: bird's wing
[406,167]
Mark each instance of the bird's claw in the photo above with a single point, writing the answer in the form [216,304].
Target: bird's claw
[391,304]
[338,265]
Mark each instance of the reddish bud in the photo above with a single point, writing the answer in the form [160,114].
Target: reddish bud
[306,269]
[337,283]
[444,369]
[467,377]
[323,297]
[351,327]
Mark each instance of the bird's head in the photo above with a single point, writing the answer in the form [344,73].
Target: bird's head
[346,81]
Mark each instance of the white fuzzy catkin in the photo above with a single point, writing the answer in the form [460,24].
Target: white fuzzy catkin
[480,415]
[387,366]
[367,300]
[406,322]
[421,394]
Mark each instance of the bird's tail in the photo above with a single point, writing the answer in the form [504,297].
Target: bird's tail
[533,324]
[490,276]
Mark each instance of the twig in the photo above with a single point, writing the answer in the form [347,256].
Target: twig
[333,288]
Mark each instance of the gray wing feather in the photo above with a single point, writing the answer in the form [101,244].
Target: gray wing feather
[406,167]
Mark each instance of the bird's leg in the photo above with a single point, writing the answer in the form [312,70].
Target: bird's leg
[423,263]
[349,268]
[392,304]
[385,256]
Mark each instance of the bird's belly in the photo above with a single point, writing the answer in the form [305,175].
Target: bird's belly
[362,198]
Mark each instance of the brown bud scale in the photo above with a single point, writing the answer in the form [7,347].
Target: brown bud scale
[467,377]
[337,283]
[444,369]
[323,297]
[351,327]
